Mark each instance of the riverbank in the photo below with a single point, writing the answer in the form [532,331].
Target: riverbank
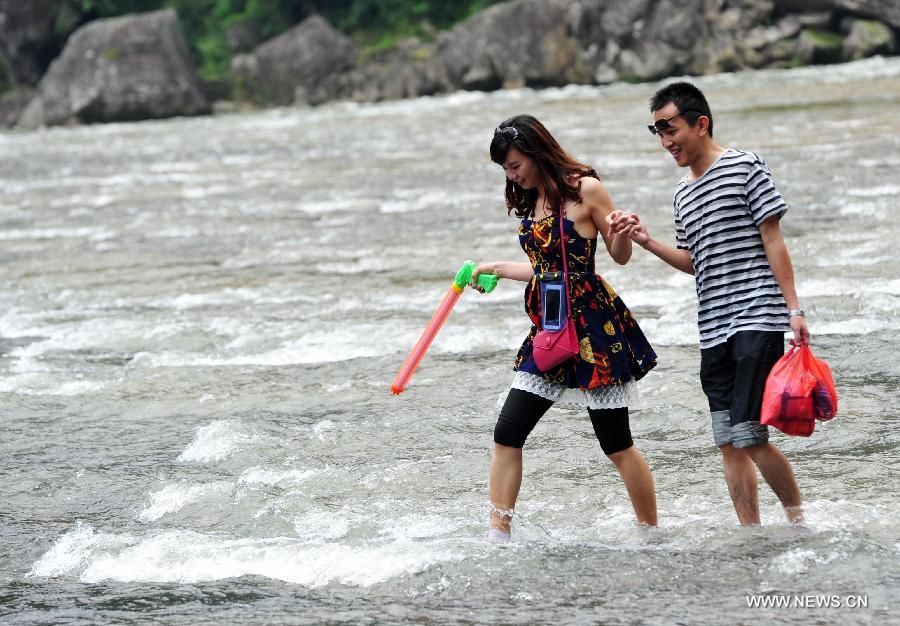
[140,67]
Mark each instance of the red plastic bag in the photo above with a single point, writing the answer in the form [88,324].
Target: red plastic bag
[787,399]
[798,391]
[825,400]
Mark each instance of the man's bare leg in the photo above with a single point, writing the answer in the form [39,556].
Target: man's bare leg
[740,476]
[777,472]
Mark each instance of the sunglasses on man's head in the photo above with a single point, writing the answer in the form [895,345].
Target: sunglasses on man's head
[508,134]
[660,125]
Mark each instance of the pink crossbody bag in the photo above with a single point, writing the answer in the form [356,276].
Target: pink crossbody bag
[553,347]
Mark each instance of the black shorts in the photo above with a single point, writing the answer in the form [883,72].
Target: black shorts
[522,410]
[733,375]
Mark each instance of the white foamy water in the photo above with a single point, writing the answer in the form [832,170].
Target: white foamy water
[216,441]
[172,498]
[200,320]
[190,557]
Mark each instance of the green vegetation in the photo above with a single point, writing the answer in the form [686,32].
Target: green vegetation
[824,38]
[372,24]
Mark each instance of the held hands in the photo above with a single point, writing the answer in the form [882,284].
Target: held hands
[622,223]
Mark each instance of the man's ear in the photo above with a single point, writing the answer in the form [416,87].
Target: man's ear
[702,125]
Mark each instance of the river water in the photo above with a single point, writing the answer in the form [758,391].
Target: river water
[200,320]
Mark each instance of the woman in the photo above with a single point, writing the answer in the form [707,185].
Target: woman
[541,179]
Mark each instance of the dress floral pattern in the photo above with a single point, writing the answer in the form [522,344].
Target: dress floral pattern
[614,350]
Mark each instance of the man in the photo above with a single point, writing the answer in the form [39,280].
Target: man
[727,214]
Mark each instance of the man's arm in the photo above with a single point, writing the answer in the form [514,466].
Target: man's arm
[783,270]
[631,225]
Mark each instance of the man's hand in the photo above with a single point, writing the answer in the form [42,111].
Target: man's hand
[622,223]
[800,330]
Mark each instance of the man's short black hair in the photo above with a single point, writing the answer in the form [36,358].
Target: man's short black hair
[689,100]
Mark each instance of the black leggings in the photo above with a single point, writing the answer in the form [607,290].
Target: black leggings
[522,410]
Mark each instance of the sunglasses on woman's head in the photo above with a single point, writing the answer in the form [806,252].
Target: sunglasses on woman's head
[508,134]
[660,125]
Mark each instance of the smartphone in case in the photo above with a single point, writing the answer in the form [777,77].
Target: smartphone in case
[553,305]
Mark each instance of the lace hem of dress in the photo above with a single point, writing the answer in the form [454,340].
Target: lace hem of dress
[605,397]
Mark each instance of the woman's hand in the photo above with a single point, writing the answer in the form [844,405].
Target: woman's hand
[484,268]
[624,224]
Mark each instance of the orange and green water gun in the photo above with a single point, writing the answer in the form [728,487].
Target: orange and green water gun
[463,277]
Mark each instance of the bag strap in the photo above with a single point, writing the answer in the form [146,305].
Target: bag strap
[562,243]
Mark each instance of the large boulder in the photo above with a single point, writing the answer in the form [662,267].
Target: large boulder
[120,69]
[887,11]
[645,39]
[752,34]
[867,38]
[310,63]
[664,40]
[818,46]
[523,42]
[409,70]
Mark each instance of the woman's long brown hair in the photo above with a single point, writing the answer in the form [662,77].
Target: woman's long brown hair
[556,167]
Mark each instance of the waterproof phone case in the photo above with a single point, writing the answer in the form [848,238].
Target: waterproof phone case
[553,305]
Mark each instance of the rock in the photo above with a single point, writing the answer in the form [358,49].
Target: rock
[126,68]
[224,107]
[33,115]
[605,74]
[819,20]
[310,63]
[800,6]
[789,26]
[886,11]
[12,104]
[584,18]
[519,42]
[679,23]
[624,19]
[655,60]
[218,89]
[408,70]
[665,41]
[817,46]
[754,12]
[784,53]
[867,38]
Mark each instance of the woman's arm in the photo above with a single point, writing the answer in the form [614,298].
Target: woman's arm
[505,269]
[599,205]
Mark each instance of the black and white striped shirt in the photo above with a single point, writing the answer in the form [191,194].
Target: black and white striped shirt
[717,218]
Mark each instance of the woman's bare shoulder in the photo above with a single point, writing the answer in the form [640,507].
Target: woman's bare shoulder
[592,190]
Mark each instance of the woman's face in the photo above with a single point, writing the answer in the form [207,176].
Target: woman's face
[521,169]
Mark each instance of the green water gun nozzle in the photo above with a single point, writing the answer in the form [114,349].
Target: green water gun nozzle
[464,277]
